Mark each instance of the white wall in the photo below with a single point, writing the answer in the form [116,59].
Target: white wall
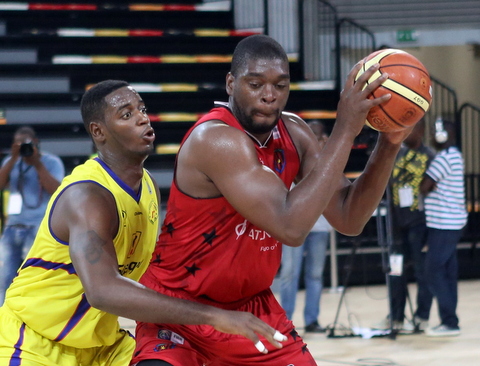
[455,66]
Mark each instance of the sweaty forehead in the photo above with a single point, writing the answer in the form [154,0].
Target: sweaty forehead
[121,97]
[263,65]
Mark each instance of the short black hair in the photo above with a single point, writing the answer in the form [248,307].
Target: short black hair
[93,103]
[256,47]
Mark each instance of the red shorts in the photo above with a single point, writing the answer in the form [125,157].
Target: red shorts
[202,345]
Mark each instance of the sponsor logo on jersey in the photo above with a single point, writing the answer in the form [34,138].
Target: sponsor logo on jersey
[153,212]
[163,346]
[279,160]
[124,217]
[168,335]
[164,334]
[253,232]
[128,268]
[136,236]
[176,338]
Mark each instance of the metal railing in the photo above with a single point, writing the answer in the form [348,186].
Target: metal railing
[444,104]
[354,42]
[330,46]
[468,117]
[318,46]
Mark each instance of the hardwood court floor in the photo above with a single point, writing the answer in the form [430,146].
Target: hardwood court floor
[364,306]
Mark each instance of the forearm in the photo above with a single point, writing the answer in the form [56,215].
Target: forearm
[147,305]
[312,195]
[363,196]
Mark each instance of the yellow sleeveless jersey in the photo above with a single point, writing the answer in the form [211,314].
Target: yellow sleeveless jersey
[47,294]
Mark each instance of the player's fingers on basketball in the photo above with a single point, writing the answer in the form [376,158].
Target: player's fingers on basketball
[353,73]
[367,80]
[382,99]
[398,136]
[374,84]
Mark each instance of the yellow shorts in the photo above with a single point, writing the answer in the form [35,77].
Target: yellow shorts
[20,345]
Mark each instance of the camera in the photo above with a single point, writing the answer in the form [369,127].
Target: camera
[26,149]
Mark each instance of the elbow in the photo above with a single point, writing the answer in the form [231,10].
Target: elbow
[294,238]
[94,300]
[351,228]
[351,231]
[97,299]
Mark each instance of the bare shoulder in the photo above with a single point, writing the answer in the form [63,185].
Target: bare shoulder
[86,192]
[213,139]
[83,203]
[293,118]
[214,131]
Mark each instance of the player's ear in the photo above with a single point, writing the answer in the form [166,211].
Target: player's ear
[229,83]
[96,130]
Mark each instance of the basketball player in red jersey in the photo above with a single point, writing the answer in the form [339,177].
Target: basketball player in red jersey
[231,207]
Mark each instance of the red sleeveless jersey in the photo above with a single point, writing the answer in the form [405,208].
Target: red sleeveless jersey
[206,250]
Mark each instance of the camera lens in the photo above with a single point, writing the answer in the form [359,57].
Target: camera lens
[26,149]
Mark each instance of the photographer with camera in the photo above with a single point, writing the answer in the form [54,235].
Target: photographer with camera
[31,177]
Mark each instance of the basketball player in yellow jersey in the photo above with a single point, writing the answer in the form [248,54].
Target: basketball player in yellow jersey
[94,243]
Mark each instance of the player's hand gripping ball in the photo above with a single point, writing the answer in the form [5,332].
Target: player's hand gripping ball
[409,84]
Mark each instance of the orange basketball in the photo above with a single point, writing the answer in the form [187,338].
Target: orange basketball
[409,84]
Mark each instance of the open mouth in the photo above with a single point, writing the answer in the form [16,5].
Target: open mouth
[149,135]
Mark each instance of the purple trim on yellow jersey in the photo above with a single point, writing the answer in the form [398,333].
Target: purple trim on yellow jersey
[16,360]
[50,217]
[135,196]
[38,262]
[55,203]
[79,313]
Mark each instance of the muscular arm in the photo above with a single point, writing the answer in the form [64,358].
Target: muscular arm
[86,217]
[225,158]
[352,205]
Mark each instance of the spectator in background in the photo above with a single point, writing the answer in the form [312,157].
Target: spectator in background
[444,188]
[409,221]
[314,251]
[31,176]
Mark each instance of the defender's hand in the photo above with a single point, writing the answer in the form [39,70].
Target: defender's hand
[248,325]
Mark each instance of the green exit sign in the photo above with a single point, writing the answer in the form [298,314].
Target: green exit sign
[407,35]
